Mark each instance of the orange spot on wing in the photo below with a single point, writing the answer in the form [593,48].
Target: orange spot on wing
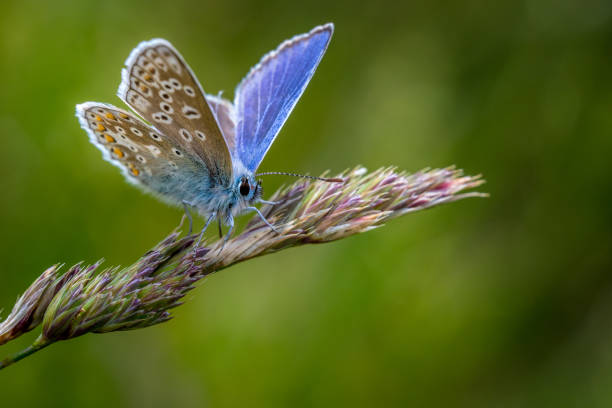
[98,118]
[143,88]
[110,116]
[123,115]
[133,169]
[101,127]
[148,77]
[109,138]
[117,152]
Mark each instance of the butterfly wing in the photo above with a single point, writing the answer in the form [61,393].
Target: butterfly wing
[268,94]
[159,85]
[226,118]
[146,157]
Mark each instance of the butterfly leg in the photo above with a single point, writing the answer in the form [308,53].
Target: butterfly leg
[186,206]
[230,224]
[262,218]
[208,221]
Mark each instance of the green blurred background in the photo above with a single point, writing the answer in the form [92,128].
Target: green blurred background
[505,301]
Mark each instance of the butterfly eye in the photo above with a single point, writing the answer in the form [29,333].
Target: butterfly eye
[244,187]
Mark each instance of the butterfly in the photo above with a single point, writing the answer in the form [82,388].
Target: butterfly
[197,150]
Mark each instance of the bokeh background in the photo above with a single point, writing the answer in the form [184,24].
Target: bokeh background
[505,301]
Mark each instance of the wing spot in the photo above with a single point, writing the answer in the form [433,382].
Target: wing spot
[175,83]
[167,86]
[109,138]
[165,96]
[136,131]
[121,130]
[145,63]
[166,107]
[174,64]
[100,127]
[189,91]
[162,118]
[138,85]
[160,63]
[99,110]
[138,101]
[154,150]
[155,136]
[110,116]
[200,135]
[190,112]
[98,118]
[133,169]
[117,152]
[124,116]
[132,148]
[177,152]
[141,159]
[172,164]
[185,134]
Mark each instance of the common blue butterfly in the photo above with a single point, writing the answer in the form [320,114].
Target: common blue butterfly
[201,151]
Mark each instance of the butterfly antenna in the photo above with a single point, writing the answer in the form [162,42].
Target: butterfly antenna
[283,173]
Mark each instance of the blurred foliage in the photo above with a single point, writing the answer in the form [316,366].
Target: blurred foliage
[496,302]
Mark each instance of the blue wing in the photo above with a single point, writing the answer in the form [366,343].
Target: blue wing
[268,94]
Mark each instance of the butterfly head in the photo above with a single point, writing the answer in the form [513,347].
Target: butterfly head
[248,189]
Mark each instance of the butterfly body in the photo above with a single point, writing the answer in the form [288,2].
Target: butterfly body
[193,149]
